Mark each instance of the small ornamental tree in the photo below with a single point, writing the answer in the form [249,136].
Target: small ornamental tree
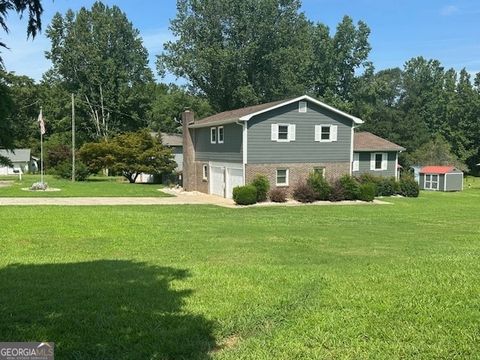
[130,154]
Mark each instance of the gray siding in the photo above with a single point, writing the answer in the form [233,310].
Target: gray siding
[261,149]
[230,150]
[454,182]
[364,164]
[178,156]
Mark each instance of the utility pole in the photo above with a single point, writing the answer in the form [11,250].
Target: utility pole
[73,137]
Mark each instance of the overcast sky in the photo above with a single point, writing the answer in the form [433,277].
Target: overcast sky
[401,29]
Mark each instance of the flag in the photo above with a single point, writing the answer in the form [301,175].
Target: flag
[41,123]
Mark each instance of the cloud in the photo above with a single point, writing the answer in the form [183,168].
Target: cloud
[449,10]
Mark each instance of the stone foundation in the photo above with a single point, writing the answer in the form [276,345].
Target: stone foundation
[298,172]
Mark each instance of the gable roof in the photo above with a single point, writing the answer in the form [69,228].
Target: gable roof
[245,114]
[16,155]
[438,169]
[365,141]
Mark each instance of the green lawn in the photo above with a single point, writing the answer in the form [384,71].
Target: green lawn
[197,282]
[95,186]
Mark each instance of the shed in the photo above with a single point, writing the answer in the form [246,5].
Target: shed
[441,178]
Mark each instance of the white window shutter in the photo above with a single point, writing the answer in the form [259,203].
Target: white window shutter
[291,132]
[318,130]
[333,132]
[372,161]
[384,161]
[274,132]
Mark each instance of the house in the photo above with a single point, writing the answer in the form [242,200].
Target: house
[283,140]
[175,143]
[440,178]
[21,159]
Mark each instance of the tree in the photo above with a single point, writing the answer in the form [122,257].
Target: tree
[35,10]
[100,57]
[6,128]
[169,101]
[436,152]
[239,52]
[129,154]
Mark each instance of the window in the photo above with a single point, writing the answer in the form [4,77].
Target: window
[326,133]
[220,134]
[213,135]
[356,162]
[378,161]
[431,181]
[302,106]
[319,170]
[282,177]
[283,132]
[205,172]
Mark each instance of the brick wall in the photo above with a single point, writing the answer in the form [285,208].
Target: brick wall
[200,184]
[297,172]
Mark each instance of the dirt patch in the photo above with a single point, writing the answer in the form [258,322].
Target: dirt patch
[46,190]
[6,183]
[228,343]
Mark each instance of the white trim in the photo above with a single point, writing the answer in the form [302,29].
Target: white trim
[425,182]
[356,161]
[308,98]
[330,132]
[287,174]
[445,182]
[214,133]
[396,166]
[373,161]
[278,133]
[244,149]
[352,158]
[205,173]
[218,135]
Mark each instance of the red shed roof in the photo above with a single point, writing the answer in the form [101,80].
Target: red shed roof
[437,169]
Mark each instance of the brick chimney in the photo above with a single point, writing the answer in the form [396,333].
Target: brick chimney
[189,173]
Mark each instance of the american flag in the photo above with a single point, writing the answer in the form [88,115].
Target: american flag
[41,122]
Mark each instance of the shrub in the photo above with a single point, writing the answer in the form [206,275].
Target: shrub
[350,187]
[278,195]
[245,195]
[64,171]
[409,187]
[319,185]
[304,193]
[262,185]
[386,187]
[366,192]
[337,192]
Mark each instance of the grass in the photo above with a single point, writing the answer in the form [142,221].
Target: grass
[200,282]
[94,186]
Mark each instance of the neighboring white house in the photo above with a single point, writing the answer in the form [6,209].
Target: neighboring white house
[21,159]
[174,142]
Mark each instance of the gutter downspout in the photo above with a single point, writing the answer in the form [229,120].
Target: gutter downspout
[244,148]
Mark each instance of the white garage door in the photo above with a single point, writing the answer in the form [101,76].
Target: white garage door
[224,177]
[217,180]
[234,178]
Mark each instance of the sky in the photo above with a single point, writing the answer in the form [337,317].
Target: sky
[400,29]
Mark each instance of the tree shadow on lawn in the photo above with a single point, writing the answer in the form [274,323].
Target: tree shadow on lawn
[102,310]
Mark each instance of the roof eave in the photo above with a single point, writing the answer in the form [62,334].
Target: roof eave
[304,97]
[212,123]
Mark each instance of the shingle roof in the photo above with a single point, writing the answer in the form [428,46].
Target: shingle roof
[233,115]
[365,141]
[172,139]
[17,155]
[244,114]
[438,169]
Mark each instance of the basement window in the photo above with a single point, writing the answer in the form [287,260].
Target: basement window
[205,172]
[282,177]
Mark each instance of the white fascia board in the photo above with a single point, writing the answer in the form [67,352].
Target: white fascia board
[308,98]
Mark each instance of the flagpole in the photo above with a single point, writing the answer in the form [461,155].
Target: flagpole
[41,150]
